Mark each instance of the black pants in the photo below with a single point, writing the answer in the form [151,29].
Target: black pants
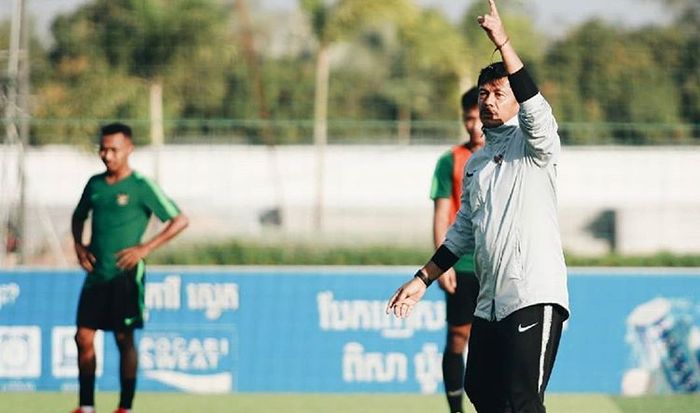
[510,361]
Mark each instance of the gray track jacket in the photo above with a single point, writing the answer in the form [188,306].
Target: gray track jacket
[509,215]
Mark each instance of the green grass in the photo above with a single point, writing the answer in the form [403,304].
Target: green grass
[237,252]
[241,252]
[44,402]
[677,403]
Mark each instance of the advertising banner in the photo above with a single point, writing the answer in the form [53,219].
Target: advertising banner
[323,329]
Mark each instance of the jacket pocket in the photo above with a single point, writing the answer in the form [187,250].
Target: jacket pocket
[515,266]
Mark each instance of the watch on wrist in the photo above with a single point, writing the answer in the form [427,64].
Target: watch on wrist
[423,277]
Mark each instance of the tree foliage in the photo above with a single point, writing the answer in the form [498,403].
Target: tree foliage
[601,74]
[391,60]
[105,51]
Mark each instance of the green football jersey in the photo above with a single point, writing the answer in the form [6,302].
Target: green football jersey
[442,177]
[442,188]
[120,215]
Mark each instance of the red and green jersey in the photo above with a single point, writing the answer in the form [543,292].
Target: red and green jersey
[447,183]
[120,215]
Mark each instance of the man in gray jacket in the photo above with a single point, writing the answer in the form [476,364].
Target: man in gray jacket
[508,216]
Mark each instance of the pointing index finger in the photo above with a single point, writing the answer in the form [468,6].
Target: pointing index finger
[492,6]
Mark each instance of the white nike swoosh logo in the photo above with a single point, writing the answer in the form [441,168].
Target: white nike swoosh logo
[522,329]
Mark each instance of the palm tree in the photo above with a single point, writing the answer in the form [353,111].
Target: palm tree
[332,22]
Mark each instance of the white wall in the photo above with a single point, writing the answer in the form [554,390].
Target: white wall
[380,193]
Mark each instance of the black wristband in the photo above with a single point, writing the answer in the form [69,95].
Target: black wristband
[444,258]
[523,86]
[426,280]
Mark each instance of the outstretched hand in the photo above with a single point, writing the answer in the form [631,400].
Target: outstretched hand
[493,26]
[405,298]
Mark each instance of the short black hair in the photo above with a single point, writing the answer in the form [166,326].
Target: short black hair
[492,72]
[470,98]
[114,128]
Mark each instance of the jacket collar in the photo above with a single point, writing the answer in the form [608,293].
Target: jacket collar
[496,134]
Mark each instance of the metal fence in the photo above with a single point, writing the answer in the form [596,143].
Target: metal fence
[349,131]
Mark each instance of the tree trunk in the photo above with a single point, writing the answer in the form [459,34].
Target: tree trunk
[155,87]
[320,127]
[257,90]
[404,129]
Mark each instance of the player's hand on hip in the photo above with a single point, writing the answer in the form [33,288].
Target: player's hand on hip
[405,298]
[129,257]
[492,25]
[448,281]
[85,257]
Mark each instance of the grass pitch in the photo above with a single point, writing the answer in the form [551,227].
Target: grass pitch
[44,402]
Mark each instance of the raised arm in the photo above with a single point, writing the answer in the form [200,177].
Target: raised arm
[535,116]
[492,25]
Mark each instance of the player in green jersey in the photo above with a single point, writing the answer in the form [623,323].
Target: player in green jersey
[459,283]
[112,298]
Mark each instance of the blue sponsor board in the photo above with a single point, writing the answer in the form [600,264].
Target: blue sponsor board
[324,330]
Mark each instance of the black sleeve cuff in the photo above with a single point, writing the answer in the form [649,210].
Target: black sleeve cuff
[444,258]
[523,86]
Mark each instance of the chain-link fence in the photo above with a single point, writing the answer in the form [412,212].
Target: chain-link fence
[348,132]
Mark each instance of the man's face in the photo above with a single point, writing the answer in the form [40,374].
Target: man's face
[497,103]
[472,124]
[114,151]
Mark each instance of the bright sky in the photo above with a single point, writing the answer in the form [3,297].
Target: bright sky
[553,16]
[558,15]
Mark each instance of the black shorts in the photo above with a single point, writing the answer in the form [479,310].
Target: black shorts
[114,305]
[461,304]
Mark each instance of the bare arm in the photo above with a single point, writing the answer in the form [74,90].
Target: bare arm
[77,226]
[85,258]
[172,228]
[129,257]
[441,222]
[491,23]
